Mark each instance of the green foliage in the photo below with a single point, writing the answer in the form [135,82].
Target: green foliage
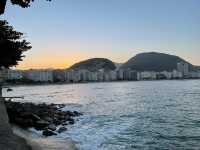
[154,62]
[22,3]
[94,64]
[12,45]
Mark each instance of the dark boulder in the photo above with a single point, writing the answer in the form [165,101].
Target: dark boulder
[24,122]
[39,125]
[52,127]
[70,120]
[62,129]
[57,122]
[48,119]
[48,132]
[76,113]
[35,117]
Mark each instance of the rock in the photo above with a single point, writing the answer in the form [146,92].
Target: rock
[61,106]
[52,127]
[76,113]
[71,121]
[9,90]
[61,116]
[69,113]
[48,133]
[39,125]
[57,122]
[62,129]
[40,116]
[24,122]
[49,119]
[35,117]
[65,124]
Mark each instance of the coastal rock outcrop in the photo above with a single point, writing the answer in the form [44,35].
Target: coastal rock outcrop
[62,129]
[41,117]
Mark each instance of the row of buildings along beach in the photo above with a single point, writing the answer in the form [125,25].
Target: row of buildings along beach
[76,76]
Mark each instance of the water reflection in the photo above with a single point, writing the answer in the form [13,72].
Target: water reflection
[128,115]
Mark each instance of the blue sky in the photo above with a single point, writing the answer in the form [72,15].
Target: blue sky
[63,32]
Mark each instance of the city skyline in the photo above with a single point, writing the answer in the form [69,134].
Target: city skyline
[116,30]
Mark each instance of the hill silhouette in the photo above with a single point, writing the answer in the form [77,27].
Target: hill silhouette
[154,61]
[94,64]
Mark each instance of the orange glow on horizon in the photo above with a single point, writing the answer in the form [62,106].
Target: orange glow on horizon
[46,63]
[49,60]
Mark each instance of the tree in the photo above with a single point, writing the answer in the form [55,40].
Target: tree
[12,46]
[22,3]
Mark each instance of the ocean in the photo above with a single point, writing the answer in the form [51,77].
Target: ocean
[143,115]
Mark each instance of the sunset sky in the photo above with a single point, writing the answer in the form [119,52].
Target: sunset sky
[63,32]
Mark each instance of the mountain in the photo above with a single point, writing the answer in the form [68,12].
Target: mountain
[154,61]
[94,64]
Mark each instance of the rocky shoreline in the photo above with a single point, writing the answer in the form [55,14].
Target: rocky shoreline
[9,141]
[50,119]
[43,143]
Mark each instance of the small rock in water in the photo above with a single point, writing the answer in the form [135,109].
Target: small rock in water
[62,129]
[39,125]
[70,121]
[76,113]
[52,127]
[9,90]
[61,105]
[65,124]
[48,133]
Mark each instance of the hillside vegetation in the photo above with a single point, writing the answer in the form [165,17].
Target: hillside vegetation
[94,64]
[154,62]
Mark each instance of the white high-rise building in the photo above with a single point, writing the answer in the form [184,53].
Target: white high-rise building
[100,76]
[13,74]
[113,75]
[177,75]
[148,75]
[73,75]
[183,68]
[120,74]
[94,76]
[39,75]
[69,75]
[167,74]
[194,75]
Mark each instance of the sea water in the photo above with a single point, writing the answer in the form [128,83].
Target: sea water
[146,115]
